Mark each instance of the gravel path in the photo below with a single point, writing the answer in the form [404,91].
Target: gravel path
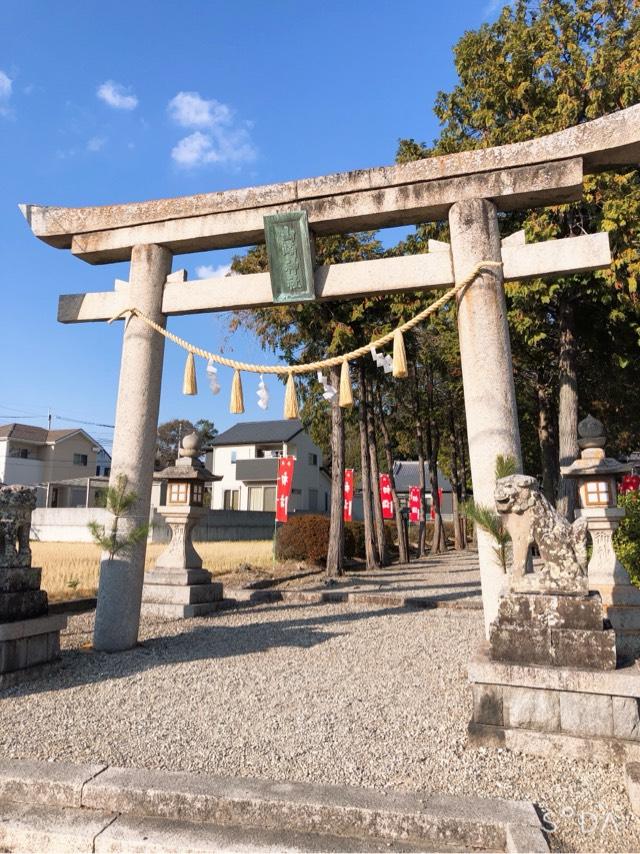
[339,694]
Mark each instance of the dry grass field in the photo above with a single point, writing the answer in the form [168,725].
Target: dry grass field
[71,569]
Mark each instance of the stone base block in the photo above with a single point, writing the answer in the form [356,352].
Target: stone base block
[22,605]
[28,644]
[537,708]
[558,612]
[179,612]
[180,594]
[16,578]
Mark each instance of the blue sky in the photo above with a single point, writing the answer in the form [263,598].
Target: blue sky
[117,102]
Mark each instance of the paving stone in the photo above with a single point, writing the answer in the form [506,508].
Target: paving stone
[529,708]
[586,714]
[626,717]
[44,783]
[28,828]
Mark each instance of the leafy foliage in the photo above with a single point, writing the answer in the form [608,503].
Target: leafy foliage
[118,501]
[171,433]
[306,537]
[627,538]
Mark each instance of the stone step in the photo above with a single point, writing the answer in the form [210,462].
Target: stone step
[25,829]
[169,611]
[181,595]
[250,814]
[624,617]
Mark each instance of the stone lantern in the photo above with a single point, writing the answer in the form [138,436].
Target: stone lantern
[178,586]
[596,475]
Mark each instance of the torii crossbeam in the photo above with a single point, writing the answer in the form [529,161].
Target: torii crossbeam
[469,189]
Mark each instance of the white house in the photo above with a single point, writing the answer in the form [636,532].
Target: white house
[62,463]
[246,456]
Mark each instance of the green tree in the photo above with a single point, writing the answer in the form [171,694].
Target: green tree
[118,501]
[545,65]
[171,433]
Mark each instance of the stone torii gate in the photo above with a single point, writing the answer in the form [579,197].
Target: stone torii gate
[469,188]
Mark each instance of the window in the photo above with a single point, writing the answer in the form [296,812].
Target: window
[597,493]
[197,494]
[97,471]
[178,493]
[234,456]
[80,459]
[269,499]
[255,498]
[231,499]
[19,453]
[313,459]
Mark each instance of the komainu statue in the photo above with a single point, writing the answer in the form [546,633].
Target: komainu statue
[529,518]
[16,506]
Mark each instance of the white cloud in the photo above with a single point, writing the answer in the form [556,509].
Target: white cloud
[6,86]
[96,143]
[115,95]
[208,271]
[225,139]
[189,110]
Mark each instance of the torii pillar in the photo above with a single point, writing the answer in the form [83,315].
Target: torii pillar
[487,371]
[134,446]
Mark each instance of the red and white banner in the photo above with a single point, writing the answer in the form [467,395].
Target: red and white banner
[348,495]
[283,488]
[415,498]
[433,506]
[385,496]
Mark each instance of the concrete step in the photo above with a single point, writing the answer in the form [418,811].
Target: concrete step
[179,612]
[174,594]
[25,829]
[244,811]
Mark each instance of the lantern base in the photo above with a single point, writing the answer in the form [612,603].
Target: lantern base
[180,593]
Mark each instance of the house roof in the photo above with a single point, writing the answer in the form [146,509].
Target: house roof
[28,433]
[251,432]
[406,474]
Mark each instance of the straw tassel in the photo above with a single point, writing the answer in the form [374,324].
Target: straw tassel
[346,394]
[399,356]
[236,406]
[291,399]
[189,383]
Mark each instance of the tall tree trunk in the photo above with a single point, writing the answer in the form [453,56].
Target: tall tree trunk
[335,554]
[370,547]
[547,439]
[460,435]
[403,539]
[417,421]
[458,534]
[567,408]
[378,519]
[439,541]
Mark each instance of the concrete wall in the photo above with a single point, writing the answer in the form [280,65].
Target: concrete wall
[69,525]
[220,525]
[65,524]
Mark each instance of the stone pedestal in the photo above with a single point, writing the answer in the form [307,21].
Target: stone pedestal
[29,637]
[554,630]
[620,598]
[180,593]
[581,713]
[547,680]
